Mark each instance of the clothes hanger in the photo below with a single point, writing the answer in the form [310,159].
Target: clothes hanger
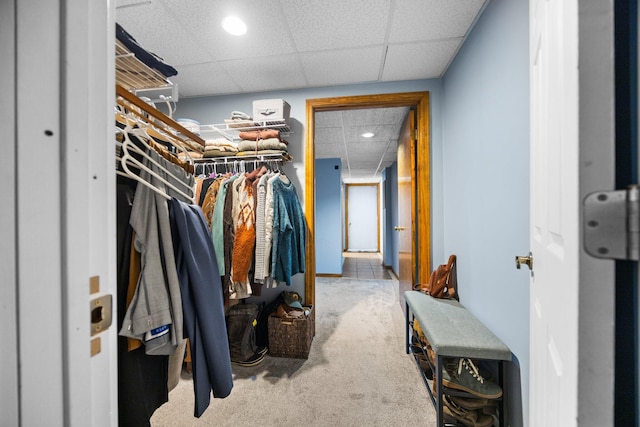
[128,160]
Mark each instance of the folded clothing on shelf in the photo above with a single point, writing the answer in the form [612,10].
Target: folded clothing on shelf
[221,144]
[148,58]
[262,144]
[255,135]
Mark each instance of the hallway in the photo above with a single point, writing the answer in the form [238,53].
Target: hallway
[364,265]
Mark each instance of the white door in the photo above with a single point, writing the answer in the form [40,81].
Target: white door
[59,214]
[562,365]
[554,217]
[362,218]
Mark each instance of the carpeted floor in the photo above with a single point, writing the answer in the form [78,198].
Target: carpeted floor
[357,373]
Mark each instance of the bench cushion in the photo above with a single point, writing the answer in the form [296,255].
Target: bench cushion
[452,330]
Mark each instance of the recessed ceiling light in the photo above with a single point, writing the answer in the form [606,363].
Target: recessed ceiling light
[234,25]
[368,134]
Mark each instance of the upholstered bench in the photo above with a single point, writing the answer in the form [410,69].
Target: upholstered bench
[452,332]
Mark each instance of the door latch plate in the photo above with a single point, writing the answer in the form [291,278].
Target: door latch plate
[100,309]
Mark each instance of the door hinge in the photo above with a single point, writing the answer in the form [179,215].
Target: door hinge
[612,224]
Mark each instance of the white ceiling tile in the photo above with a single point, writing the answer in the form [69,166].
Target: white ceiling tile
[419,60]
[336,24]
[381,133]
[381,116]
[328,119]
[264,74]
[267,32]
[361,159]
[338,67]
[329,150]
[206,79]
[329,134]
[418,20]
[162,35]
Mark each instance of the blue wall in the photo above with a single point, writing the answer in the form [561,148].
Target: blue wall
[328,216]
[485,166]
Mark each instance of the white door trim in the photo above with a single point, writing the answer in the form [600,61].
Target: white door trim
[61,209]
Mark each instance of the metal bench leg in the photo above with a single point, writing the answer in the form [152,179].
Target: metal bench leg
[503,402]
[438,380]
[407,341]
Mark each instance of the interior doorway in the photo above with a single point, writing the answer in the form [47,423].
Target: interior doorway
[362,218]
[420,228]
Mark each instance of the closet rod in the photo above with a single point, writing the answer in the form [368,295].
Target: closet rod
[158,115]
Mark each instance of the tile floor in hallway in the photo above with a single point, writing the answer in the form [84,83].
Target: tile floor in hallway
[364,265]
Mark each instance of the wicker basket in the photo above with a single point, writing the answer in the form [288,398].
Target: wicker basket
[291,337]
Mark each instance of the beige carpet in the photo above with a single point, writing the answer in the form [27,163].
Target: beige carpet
[357,373]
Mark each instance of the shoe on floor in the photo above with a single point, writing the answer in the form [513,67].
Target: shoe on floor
[254,360]
[467,378]
[470,418]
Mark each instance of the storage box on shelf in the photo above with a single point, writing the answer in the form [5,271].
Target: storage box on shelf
[271,110]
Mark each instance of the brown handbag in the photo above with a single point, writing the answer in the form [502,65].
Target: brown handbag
[443,281]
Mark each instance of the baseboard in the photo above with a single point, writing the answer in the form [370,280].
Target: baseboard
[328,275]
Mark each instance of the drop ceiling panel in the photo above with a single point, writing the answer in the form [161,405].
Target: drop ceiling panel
[328,119]
[264,74]
[363,157]
[336,24]
[380,116]
[327,150]
[382,133]
[369,147]
[267,32]
[329,135]
[210,78]
[429,58]
[161,34]
[338,67]
[432,19]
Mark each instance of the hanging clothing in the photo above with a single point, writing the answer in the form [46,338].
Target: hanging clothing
[142,379]
[209,201]
[289,232]
[251,243]
[217,223]
[260,261]
[156,303]
[203,305]
[268,231]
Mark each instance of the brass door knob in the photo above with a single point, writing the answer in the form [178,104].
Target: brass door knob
[526,260]
[398,228]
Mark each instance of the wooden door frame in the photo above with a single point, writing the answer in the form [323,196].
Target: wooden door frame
[421,175]
[346,209]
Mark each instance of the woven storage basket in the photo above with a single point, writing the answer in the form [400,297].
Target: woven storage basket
[291,337]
